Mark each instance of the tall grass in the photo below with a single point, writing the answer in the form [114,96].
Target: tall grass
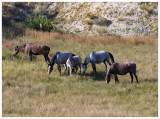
[28,90]
[92,39]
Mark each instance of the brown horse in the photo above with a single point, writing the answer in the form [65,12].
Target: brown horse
[33,49]
[121,69]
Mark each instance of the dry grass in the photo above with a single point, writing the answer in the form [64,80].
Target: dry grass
[28,90]
[92,39]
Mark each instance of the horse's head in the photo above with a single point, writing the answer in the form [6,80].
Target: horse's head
[16,50]
[50,68]
[84,68]
[107,79]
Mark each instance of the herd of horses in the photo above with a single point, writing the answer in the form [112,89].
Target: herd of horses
[72,61]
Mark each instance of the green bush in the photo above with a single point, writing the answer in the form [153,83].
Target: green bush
[40,23]
[91,16]
[101,30]
[89,22]
[148,8]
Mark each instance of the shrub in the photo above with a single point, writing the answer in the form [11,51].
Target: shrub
[148,8]
[91,16]
[89,22]
[101,30]
[102,21]
[40,23]
[121,19]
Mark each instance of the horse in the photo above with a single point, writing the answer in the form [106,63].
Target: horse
[121,69]
[33,49]
[59,58]
[72,63]
[96,58]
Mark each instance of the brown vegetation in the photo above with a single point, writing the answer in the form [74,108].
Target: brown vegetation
[92,39]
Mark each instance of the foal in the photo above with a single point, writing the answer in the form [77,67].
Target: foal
[72,63]
[121,69]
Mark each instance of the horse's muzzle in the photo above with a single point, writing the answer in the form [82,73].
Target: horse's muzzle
[49,71]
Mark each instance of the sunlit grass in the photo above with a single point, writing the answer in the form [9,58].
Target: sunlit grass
[28,90]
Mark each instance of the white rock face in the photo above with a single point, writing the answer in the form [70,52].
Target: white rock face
[127,18]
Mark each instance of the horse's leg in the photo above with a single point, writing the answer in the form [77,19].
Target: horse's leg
[68,70]
[45,57]
[109,62]
[94,67]
[116,78]
[59,68]
[76,69]
[65,67]
[105,66]
[48,58]
[30,57]
[136,77]
[131,77]
[80,68]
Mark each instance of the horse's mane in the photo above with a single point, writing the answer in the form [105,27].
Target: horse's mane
[73,54]
[54,58]
[85,60]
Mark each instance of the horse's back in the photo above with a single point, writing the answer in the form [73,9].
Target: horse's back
[99,56]
[37,49]
[132,66]
[123,68]
[77,59]
[63,56]
[45,47]
[74,61]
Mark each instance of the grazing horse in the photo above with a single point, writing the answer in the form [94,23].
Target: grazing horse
[72,63]
[121,69]
[59,58]
[33,49]
[97,57]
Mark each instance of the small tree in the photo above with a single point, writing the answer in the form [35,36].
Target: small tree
[40,23]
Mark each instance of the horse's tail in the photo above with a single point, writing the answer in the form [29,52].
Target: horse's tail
[111,56]
[49,49]
[73,54]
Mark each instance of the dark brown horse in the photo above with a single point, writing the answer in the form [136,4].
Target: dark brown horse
[33,49]
[121,69]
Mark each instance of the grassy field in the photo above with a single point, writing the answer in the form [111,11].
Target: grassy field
[28,89]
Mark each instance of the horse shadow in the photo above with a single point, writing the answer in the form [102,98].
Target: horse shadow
[149,80]
[98,76]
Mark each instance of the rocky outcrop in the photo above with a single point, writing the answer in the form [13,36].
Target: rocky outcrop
[109,18]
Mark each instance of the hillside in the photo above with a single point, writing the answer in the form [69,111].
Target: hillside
[88,18]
